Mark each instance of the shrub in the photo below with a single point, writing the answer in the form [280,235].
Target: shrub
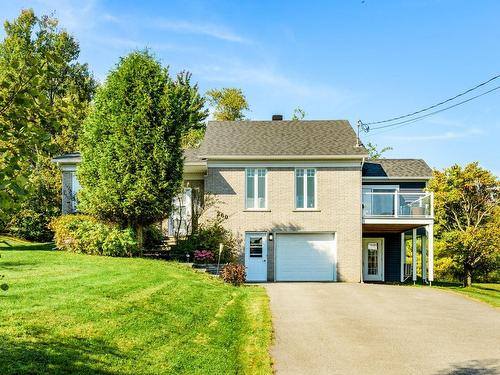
[234,273]
[30,225]
[41,203]
[84,234]
[153,236]
[204,256]
[208,237]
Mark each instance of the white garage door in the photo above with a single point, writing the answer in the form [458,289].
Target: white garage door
[305,257]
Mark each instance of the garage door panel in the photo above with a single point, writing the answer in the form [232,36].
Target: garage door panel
[305,257]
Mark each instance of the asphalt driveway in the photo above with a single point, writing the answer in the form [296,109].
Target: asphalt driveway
[341,328]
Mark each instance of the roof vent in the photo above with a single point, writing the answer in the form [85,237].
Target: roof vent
[277,117]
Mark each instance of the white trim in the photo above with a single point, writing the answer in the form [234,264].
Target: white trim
[68,167]
[414,254]
[403,256]
[423,240]
[72,160]
[256,190]
[381,256]
[430,238]
[283,164]
[399,178]
[305,208]
[282,157]
[398,220]
[395,187]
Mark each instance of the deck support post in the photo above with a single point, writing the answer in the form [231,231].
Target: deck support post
[430,237]
[423,240]
[414,255]
[403,256]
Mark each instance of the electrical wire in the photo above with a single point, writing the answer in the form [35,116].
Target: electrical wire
[435,105]
[407,122]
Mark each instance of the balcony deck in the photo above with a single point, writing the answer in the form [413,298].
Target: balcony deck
[397,210]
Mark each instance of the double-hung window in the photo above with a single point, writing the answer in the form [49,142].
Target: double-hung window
[305,188]
[255,188]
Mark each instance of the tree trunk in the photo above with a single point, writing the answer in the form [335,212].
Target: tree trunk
[139,229]
[467,275]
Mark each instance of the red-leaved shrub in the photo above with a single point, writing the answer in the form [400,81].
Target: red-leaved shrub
[234,273]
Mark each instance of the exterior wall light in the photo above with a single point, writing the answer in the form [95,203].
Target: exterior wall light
[270,236]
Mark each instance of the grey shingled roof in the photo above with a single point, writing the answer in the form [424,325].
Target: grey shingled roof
[191,155]
[280,138]
[71,158]
[396,168]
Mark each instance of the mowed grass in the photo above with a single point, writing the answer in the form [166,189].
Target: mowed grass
[78,314]
[489,293]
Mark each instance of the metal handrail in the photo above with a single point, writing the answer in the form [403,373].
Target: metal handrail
[396,207]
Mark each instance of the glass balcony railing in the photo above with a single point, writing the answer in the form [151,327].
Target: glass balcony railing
[398,204]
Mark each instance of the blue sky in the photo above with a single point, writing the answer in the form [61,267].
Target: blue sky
[368,60]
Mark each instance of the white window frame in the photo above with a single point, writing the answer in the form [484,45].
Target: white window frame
[256,189]
[305,208]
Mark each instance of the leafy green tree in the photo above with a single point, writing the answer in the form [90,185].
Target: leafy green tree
[132,160]
[229,104]
[467,217]
[45,94]
[298,114]
[374,152]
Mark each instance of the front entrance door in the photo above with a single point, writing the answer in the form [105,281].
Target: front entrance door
[373,259]
[256,256]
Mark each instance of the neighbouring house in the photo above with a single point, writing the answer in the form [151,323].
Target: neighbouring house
[306,201]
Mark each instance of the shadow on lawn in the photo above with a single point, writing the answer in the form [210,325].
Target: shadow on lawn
[65,356]
[30,247]
[478,367]
[481,287]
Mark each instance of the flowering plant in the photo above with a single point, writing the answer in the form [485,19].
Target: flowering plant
[204,256]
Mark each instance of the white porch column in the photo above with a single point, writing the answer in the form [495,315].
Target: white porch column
[424,257]
[414,255]
[403,256]
[430,237]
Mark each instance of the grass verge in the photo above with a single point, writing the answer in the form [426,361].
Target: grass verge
[484,292]
[78,314]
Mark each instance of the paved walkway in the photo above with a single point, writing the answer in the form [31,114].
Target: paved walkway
[341,328]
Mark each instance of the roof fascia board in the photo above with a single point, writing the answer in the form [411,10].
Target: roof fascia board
[67,161]
[283,157]
[284,163]
[395,178]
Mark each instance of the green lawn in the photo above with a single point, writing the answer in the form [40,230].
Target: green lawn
[489,293]
[79,314]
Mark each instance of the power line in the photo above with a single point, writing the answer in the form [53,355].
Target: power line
[435,105]
[407,122]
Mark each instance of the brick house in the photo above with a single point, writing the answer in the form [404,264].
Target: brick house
[307,202]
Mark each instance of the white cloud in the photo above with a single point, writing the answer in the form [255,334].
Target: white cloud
[214,31]
[241,74]
[442,136]
[71,15]
[110,18]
